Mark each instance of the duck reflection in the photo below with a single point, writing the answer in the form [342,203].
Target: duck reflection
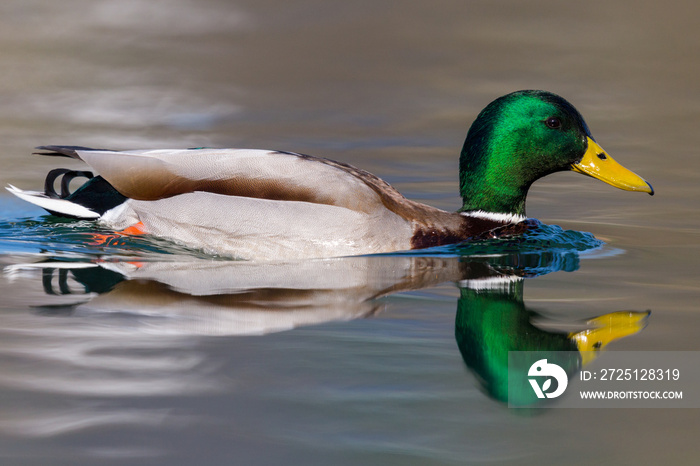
[491,322]
[245,298]
[241,298]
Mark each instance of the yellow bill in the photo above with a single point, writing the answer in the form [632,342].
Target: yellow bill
[598,164]
[608,328]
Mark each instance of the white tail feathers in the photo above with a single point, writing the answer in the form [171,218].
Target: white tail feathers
[61,206]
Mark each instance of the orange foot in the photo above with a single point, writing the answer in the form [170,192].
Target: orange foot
[115,239]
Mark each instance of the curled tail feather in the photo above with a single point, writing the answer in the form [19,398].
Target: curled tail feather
[90,201]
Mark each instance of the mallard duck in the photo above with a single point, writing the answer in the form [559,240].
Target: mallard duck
[259,204]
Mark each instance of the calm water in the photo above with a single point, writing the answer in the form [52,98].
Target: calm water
[148,353]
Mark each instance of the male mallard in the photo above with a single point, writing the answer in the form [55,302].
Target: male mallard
[259,204]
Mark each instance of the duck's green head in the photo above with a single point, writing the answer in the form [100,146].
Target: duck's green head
[523,136]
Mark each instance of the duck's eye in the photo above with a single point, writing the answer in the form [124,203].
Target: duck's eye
[553,122]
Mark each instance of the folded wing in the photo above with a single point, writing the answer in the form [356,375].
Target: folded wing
[284,176]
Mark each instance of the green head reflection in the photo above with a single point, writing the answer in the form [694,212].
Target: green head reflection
[492,321]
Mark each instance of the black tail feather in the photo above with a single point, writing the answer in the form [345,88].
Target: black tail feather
[62,151]
[67,177]
[95,194]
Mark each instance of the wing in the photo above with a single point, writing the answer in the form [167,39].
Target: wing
[274,175]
